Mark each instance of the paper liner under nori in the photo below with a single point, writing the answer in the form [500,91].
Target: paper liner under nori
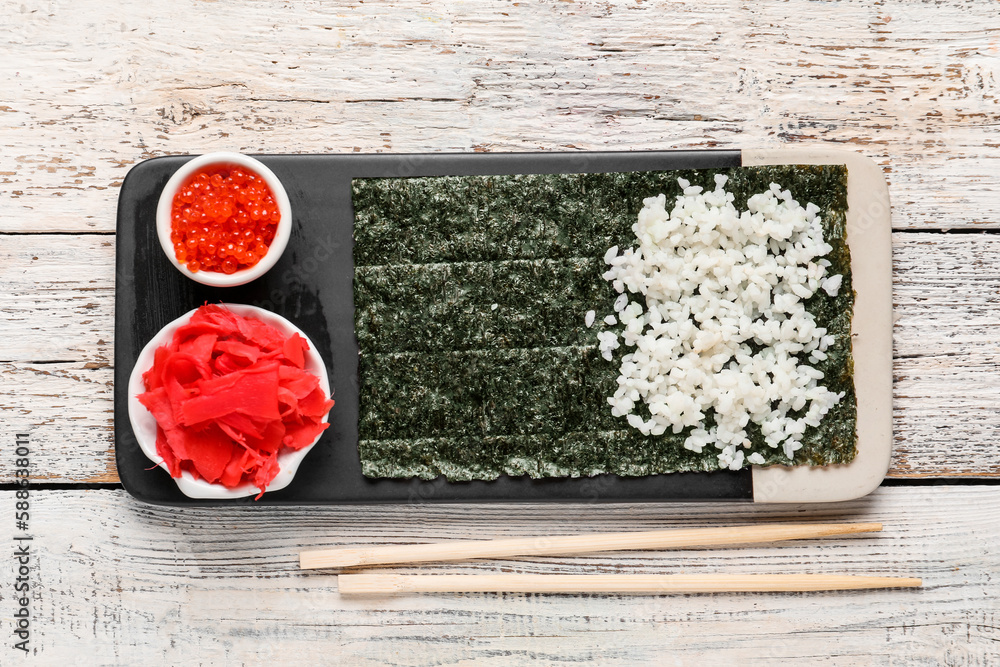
[470,295]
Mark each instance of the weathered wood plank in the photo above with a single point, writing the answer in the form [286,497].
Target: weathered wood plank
[946,297]
[947,400]
[125,583]
[58,298]
[68,409]
[94,88]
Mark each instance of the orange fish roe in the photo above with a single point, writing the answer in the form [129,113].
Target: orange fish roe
[223,219]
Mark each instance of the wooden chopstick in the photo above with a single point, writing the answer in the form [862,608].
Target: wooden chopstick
[656,584]
[575,544]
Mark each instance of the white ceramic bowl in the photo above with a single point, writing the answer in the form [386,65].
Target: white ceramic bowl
[281,236]
[144,424]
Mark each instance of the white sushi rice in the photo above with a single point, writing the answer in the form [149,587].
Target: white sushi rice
[704,282]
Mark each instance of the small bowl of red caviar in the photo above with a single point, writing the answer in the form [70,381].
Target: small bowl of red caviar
[223,219]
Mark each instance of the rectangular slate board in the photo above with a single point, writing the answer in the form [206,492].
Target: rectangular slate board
[312,287]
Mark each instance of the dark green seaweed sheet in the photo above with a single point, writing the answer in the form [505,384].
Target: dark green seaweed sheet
[470,294]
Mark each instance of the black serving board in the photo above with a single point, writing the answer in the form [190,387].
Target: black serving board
[312,286]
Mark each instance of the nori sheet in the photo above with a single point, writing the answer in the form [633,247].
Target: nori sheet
[470,294]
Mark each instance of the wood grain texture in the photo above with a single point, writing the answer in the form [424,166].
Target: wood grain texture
[58,376]
[68,410]
[946,393]
[58,298]
[93,88]
[124,583]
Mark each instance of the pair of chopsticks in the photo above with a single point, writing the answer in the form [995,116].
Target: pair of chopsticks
[390,584]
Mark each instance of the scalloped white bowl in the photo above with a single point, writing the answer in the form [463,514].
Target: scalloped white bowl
[144,424]
[281,235]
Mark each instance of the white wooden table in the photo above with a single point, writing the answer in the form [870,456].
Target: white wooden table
[90,88]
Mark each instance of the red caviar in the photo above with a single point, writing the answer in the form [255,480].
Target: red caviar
[223,219]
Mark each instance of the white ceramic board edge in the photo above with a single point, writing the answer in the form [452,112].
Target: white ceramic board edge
[869,236]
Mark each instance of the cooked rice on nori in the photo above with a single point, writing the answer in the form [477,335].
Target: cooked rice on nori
[470,294]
